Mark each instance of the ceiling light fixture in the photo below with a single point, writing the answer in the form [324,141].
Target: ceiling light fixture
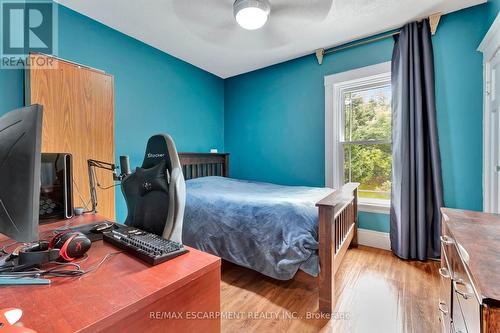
[251,14]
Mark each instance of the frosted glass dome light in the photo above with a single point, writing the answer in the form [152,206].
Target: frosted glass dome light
[251,14]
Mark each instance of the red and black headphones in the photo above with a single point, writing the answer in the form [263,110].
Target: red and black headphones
[66,246]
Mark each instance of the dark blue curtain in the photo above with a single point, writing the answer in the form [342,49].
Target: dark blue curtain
[417,191]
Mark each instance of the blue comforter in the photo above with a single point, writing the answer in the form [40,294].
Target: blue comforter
[269,228]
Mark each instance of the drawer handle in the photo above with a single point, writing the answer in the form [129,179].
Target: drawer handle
[446,240]
[444,273]
[442,308]
[464,294]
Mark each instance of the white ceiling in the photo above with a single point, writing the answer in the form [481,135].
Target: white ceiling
[204,33]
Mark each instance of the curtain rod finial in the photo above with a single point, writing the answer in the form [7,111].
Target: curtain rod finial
[319,55]
[434,22]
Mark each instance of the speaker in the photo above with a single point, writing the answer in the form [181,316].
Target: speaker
[56,190]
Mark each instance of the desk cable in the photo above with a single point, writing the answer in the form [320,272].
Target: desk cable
[69,269]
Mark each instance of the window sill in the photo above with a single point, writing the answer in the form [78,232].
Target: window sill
[374,206]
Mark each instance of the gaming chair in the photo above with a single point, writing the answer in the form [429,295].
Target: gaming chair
[156,192]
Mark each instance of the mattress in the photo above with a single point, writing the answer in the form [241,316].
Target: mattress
[270,228]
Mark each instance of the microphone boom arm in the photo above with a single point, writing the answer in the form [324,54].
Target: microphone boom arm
[92,165]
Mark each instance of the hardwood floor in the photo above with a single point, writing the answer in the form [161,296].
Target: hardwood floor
[376,292]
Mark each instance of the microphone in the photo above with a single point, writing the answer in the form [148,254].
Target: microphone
[125,165]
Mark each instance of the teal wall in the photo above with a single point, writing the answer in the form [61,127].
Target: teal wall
[459,89]
[11,90]
[272,120]
[154,92]
[493,10]
[274,117]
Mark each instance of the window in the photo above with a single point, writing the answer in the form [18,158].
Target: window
[358,133]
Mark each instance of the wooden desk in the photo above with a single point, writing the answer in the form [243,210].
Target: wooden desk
[124,294]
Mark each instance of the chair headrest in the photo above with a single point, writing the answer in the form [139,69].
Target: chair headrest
[157,152]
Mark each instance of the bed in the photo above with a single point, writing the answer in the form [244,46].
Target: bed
[275,230]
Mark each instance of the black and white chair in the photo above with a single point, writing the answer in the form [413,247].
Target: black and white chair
[156,192]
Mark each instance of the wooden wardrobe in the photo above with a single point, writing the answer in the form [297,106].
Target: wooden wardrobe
[78,118]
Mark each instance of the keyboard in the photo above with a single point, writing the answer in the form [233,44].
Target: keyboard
[145,246]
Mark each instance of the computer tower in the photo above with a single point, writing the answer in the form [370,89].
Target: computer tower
[56,191]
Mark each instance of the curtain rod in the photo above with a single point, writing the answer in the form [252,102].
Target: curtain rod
[367,41]
[320,53]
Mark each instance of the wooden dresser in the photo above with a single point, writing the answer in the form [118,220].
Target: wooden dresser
[470,272]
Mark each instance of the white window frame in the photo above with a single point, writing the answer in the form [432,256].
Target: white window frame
[490,47]
[335,86]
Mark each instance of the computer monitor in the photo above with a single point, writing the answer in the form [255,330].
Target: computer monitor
[20,159]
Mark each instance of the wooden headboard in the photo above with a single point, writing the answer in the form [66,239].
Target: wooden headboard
[196,165]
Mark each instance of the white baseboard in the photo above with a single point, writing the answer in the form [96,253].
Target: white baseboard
[377,239]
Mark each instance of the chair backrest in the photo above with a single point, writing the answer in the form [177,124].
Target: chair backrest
[156,192]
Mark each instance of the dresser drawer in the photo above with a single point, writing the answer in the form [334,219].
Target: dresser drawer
[470,242]
[444,305]
[451,256]
[463,289]
[465,307]
[442,327]
[459,325]
[447,251]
